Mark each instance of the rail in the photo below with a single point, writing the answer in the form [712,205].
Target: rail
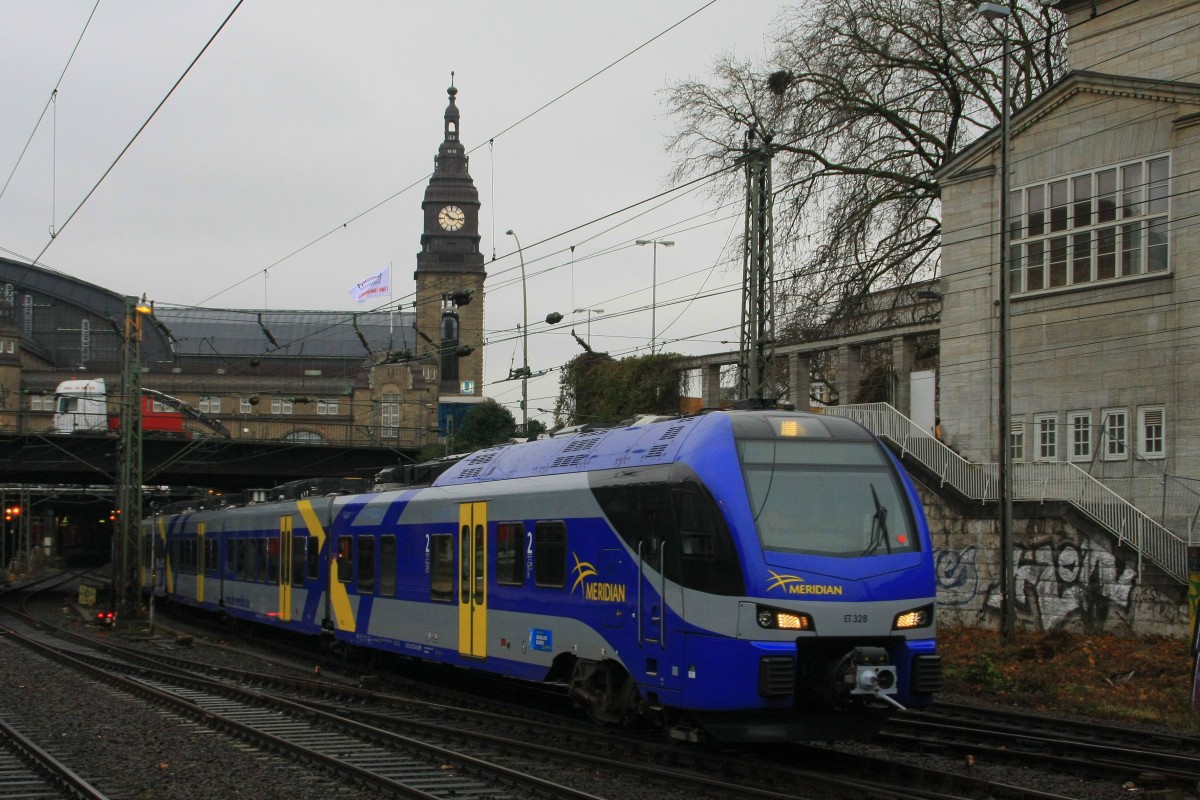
[1032,482]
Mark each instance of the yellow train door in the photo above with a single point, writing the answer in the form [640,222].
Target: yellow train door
[285,568]
[472,579]
[200,563]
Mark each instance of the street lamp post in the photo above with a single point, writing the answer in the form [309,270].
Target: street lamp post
[994,12]
[589,312]
[524,339]
[654,286]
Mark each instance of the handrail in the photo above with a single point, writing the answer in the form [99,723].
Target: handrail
[1037,481]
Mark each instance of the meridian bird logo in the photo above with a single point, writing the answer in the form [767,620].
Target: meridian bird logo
[582,569]
[794,584]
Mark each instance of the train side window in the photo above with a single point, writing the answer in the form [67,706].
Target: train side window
[212,563]
[387,566]
[231,559]
[441,567]
[696,536]
[345,559]
[510,553]
[299,559]
[550,554]
[253,557]
[366,564]
[272,559]
[241,558]
[314,560]
[260,559]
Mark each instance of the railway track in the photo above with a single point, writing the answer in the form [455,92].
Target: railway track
[1081,747]
[389,764]
[27,771]
[510,736]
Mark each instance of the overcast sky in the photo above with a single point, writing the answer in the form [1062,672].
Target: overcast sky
[291,161]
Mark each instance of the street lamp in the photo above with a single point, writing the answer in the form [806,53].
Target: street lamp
[994,12]
[589,312]
[654,286]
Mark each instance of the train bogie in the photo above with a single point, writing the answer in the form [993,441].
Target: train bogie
[754,575]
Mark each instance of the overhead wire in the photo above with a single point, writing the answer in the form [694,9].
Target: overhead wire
[125,149]
[53,95]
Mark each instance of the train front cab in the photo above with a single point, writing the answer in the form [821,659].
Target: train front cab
[836,627]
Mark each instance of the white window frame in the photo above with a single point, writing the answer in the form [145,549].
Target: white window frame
[1152,444]
[389,414]
[245,406]
[37,402]
[1079,433]
[1045,429]
[1115,421]
[327,406]
[1016,439]
[280,405]
[1089,228]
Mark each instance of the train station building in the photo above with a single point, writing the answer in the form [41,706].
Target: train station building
[397,377]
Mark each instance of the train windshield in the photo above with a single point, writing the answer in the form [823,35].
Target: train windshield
[839,499]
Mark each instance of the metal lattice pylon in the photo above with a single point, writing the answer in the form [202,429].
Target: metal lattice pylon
[758,273]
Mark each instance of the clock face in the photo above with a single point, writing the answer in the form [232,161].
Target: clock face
[451,218]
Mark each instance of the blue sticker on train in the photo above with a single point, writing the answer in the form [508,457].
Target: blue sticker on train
[541,639]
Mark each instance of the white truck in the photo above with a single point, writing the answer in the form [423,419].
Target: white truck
[80,406]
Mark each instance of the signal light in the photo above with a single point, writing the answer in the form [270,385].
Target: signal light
[106,618]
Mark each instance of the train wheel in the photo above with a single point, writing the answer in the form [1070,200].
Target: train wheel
[606,691]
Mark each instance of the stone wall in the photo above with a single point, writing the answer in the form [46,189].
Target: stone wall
[1067,575]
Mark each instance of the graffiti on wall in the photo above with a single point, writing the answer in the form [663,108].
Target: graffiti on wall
[1058,581]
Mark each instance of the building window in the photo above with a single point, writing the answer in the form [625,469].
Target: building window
[1106,224]
[1079,424]
[1016,440]
[245,406]
[327,406]
[41,402]
[1116,424]
[389,414]
[27,306]
[1152,427]
[85,341]
[1046,426]
[280,405]
[210,405]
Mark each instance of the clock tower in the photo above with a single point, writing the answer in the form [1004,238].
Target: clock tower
[450,272]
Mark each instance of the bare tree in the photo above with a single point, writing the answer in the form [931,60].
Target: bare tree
[863,102]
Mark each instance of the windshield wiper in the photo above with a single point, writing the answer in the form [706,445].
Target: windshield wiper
[879,531]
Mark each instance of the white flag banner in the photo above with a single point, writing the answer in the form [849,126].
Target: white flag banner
[378,285]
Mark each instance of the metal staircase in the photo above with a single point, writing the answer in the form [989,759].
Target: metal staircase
[1036,482]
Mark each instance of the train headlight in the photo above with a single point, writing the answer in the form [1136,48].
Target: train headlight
[916,618]
[778,619]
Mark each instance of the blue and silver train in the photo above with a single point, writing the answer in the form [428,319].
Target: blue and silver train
[739,575]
